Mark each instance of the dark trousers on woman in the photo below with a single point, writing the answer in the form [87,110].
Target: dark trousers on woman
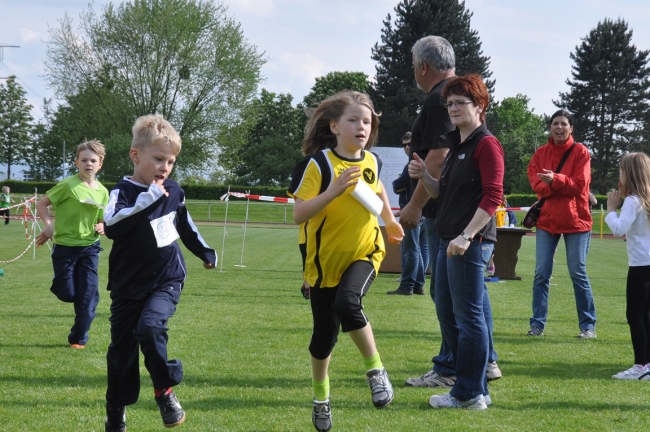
[638,312]
[141,324]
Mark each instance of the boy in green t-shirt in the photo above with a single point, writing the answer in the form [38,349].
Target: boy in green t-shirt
[79,201]
[5,203]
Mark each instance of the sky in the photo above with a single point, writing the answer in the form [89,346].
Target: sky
[529,42]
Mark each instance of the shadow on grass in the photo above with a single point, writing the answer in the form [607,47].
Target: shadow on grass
[57,381]
[559,406]
[560,370]
[251,382]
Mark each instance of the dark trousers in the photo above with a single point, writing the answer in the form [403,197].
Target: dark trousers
[5,213]
[141,324]
[638,312]
[76,281]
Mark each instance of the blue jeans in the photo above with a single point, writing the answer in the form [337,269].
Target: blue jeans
[487,249]
[460,283]
[415,257]
[577,247]
[76,281]
[443,363]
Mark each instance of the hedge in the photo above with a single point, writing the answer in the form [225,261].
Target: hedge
[193,192]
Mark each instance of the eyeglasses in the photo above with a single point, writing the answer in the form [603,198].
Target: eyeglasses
[459,104]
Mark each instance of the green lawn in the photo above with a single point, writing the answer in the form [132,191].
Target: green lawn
[242,334]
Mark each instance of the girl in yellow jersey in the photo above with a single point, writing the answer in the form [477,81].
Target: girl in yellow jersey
[344,244]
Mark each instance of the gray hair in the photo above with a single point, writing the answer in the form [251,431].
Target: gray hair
[436,52]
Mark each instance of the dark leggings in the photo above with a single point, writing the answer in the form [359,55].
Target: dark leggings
[339,306]
[5,213]
[638,312]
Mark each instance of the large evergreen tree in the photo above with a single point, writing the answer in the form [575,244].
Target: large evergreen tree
[609,97]
[395,92]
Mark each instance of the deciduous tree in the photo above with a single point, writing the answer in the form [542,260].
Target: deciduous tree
[267,144]
[333,83]
[15,123]
[185,59]
[520,132]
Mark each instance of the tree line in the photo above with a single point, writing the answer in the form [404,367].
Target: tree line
[190,61]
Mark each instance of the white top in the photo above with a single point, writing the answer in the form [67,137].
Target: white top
[633,222]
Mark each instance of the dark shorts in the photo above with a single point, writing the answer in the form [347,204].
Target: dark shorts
[339,307]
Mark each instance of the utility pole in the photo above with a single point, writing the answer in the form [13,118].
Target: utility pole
[2,47]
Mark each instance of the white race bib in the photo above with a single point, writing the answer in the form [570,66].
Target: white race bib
[164,229]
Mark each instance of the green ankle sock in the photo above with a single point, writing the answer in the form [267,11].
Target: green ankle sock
[321,389]
[373,362]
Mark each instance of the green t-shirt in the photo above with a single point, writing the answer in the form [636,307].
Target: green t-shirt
[75,220]
[5,200]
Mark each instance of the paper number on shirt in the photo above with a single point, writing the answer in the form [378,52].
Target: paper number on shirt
[164,229]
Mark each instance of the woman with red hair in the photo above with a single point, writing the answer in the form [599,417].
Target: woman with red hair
[469,191]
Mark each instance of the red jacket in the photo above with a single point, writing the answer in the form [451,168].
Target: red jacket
[566,209]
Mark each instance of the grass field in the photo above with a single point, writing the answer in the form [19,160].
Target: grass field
[242,334]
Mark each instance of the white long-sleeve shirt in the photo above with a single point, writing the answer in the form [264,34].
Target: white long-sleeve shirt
[634,223]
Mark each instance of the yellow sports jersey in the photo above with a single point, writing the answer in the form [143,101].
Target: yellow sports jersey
[302,234]
[344,231]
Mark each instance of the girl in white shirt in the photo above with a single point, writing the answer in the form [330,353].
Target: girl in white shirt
[634,222]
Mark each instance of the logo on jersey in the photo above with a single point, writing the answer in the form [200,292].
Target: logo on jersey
[369,176]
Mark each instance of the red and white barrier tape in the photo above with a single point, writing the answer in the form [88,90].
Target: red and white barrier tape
[257,197]
[21,254]
[18,205]
[514,209]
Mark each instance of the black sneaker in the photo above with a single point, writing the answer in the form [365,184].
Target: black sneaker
[321,416]
[418,291]
[170,410]
[115,420]
[399,292]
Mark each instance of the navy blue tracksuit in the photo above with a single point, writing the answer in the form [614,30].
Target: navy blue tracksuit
[146,271]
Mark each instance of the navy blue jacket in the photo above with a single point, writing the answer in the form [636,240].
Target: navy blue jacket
[144,224]
[402,187]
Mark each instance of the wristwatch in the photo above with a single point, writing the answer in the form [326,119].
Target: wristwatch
[466,236]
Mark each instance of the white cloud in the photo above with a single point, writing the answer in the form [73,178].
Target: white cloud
[254,7]
[304,67]
[28,35]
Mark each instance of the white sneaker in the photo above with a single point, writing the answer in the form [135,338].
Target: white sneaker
[448,401]
[492,372]
[634,373]
[587,334]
